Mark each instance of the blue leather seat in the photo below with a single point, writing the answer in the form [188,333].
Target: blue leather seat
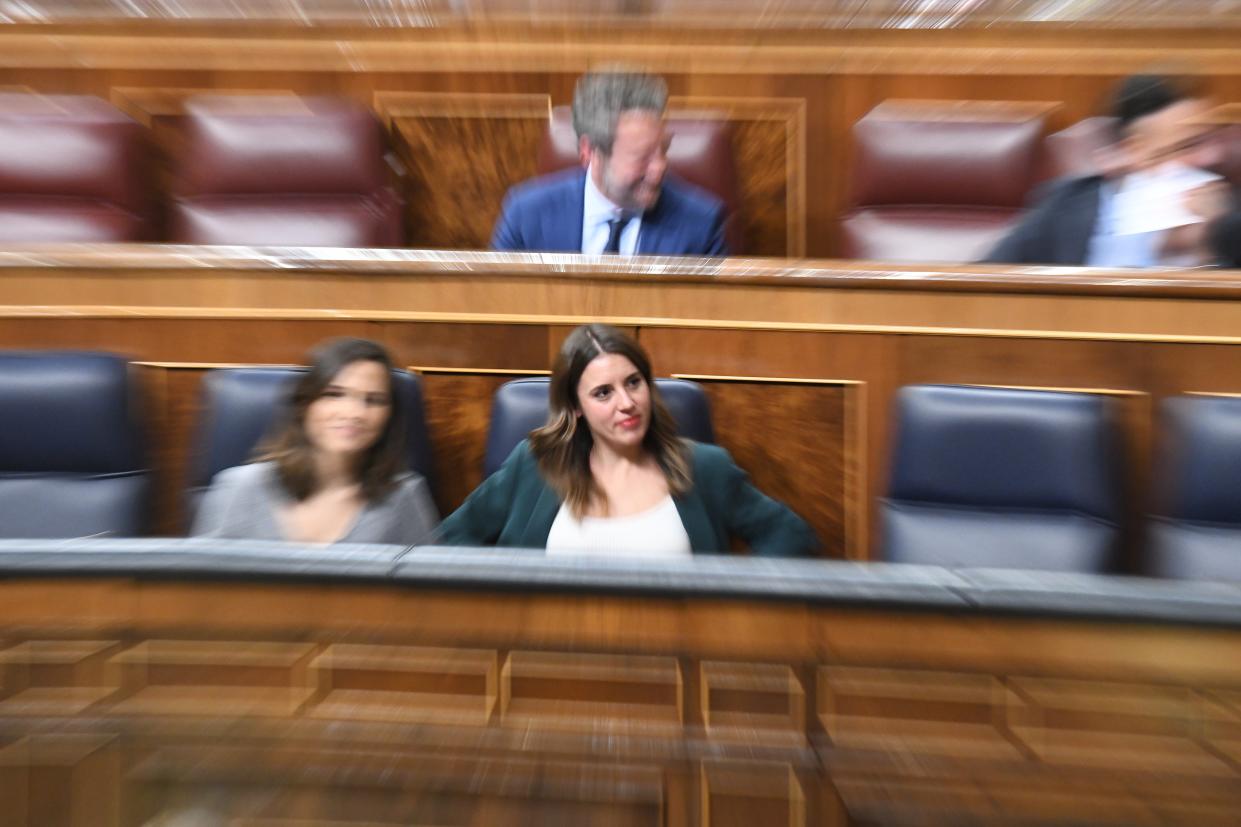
[1197,533]
[1003,478]
[240,406]
[520,406]
[72,458]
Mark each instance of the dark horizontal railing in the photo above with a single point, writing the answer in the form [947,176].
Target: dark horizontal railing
[826,582]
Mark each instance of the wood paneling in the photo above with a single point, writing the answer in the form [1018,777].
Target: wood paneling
[746,14]
[740,793]
[174,399]
[461,153]
[458,415]
[769,146]
[768,228]
[264,704]
[794,441]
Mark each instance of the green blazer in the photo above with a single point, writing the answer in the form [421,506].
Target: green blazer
[515,507]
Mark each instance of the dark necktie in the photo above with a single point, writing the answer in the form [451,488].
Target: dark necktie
[615,227]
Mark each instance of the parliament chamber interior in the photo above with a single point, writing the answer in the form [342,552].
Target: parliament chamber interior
[1023,479]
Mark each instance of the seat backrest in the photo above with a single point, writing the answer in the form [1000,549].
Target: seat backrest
[241,405]
[71,170]
[1197,531]
[1003,478]
[72,462]
[283,171]
[939,180]
[1074,150]
[1230,152]
[520,406]
[701,152]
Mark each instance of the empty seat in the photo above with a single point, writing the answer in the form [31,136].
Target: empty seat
[520,406]
[1003,478]
[241,405]
[701,152]
[70,171]
[72,462]
[283,171]
[939,181]
[1197,533]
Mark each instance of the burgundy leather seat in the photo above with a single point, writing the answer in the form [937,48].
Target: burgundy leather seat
[1071,151]
[928,188]
[701,152]
[283,171]
[70,171]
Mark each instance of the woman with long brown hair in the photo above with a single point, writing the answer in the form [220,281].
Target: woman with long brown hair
[335,470]
[608,474]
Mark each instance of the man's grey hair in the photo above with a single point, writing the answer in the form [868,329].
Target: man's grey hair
[601,97]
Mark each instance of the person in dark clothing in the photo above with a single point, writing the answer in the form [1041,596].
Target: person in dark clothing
[1153,201]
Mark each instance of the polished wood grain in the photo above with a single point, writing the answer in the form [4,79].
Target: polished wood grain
[848,14]
[791,438]
[760,146]
[458,414]
[461,153]
[174,400]
[769,148]
[141,702]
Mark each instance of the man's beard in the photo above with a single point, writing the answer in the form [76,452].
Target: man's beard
[627,198]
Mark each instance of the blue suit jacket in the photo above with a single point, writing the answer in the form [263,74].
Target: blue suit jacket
[545,215]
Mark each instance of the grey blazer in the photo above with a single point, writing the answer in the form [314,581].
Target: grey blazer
[242,504]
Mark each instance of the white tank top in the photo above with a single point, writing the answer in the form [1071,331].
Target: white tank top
[655,533]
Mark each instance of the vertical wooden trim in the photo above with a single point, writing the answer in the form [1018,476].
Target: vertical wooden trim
[857,481]
[792,113]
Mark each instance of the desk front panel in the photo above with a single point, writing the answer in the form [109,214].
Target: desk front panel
[149,698]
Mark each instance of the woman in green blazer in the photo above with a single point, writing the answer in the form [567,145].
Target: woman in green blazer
[608,475]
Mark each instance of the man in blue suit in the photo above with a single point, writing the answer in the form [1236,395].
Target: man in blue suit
[622,202]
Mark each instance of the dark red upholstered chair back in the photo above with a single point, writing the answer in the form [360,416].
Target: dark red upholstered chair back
[701,153]
[283,171]
[939,181]
[70,171]
[1073,151]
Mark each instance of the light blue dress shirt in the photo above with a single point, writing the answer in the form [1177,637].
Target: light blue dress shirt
[597,211]
[1110,249]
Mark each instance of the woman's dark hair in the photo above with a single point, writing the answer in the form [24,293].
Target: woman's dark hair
[562,446]
[290,448]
